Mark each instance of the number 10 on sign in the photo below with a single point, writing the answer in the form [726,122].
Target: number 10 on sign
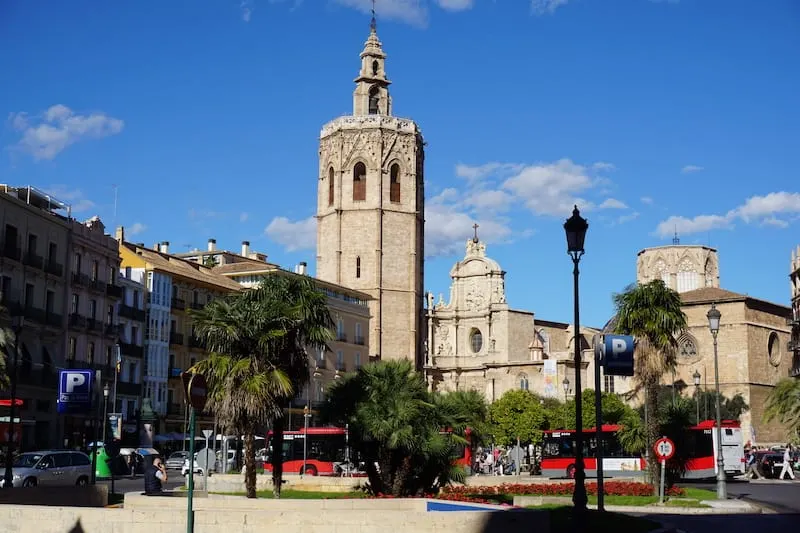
[664,449]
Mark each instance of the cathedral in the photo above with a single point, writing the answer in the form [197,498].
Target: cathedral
[370,210]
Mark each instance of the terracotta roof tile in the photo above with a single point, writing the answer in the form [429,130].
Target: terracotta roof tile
[180,267]
[711,294]
[245,266]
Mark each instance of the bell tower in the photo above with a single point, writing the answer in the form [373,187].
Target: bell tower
[370,209]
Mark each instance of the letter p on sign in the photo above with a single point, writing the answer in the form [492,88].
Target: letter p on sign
[618,346]
[74,381]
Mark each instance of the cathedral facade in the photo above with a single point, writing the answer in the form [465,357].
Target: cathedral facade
[476,341]
[370,210]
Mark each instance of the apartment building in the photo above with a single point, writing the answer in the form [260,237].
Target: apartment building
[131,313]
[172,286]
[349,309]
[59,285]
[793,346]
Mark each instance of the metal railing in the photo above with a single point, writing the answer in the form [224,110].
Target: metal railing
[176,338]
[34,260]
[54,267]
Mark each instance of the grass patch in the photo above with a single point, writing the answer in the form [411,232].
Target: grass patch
[561,521]
[699,494]
[625,500]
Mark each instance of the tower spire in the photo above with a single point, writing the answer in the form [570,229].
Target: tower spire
[675,239]
[373,25]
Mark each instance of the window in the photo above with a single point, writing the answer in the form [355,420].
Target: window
[374,98]
[95,270]
[359,182]
[358,267]
[523,382]
[30,295]
[319,393]
[359,337]
[687,277]
[340,335]
[93,309]
[32,241]
[76,304]
[109,355]
[52,253]
[476,340]
[774,349]
[375,67]
[134,335]
[339,360]
[135,299]
[358,360]
[687,347]
[110,315]
[73,348]
[90,353]
[49,301]
[128,272]
[608,384]
[331,184]
[394,183]
[321,357]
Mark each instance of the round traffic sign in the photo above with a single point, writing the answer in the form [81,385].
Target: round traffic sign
[664,449]
[198,391]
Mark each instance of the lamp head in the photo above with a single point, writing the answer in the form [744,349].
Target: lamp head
[696,377]
[713,319]
[106,390]
[575,228]
[565,384]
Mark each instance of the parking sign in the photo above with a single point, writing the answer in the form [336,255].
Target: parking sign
[618,355]
[75,388]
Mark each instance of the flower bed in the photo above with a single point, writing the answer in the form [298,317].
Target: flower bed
[610,488]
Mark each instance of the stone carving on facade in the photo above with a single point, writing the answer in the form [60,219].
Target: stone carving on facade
[499,294]
[474,299]
[476,248]
[429,299]
[709,274]
[443,347]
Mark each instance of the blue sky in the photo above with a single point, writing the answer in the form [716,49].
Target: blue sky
[205,114]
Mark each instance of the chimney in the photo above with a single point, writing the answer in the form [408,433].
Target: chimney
[301,268]
[164,247]
[246,248]
[120,236]
[212,245]
[157,247]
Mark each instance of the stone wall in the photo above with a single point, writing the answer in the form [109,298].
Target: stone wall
[91,496]
[235,483]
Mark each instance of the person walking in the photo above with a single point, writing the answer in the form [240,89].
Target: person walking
[752,465]
[787,463]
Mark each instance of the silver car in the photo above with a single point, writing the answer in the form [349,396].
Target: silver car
[51,468]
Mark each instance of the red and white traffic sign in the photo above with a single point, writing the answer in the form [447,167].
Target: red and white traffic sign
[196,388]
[664,449]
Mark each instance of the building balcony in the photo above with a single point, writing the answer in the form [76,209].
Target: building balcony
[32,259]
[80,279]
[77,321]
[11,252]
[92,324]
[341,336]
[196,342]
[197,305]
[359,340]
[53,267]
[129,389]
[127,311]
[113,330]
[341,367]
[176,338]
[34,313]
[320,364]
[97,285]
[114,291]
[54,319]
[131,350]
[178,304]
[175,372]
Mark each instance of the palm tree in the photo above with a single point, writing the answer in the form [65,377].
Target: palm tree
[651,312]
[783,404]
[245,386]
[299,312]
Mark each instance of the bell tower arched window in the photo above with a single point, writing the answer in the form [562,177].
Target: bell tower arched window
[359,182]
[330,186]
[374,97]
[394,183]
[358,267]
[375,68]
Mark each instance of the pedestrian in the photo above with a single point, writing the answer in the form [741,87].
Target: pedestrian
[154,475]
[752,465]
[787,463]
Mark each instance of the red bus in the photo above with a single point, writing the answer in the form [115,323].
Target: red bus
[326,448]
[558,454]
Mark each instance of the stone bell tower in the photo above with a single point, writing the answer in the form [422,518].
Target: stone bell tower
[370,210]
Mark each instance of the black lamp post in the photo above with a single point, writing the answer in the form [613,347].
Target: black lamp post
[575,228]
[713,324]
[17,323]
[696,377]
[106,392]
[565,385]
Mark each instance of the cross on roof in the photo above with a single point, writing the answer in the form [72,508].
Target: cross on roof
[475,229]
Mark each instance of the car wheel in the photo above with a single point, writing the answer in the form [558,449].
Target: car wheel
[82,481]
[30,482]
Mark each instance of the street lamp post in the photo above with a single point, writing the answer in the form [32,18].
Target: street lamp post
[575,228]
[696,377]
[17,322]
[106,392]
[306,416]
[713,324]
[565,386]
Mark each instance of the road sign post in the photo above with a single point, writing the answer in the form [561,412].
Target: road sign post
[196,394]
[599,353]
[207,433]
[664,449]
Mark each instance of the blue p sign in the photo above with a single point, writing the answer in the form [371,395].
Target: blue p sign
[618,360]
[75,391]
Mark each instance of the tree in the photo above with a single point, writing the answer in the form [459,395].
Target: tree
[301,313]
[396,423]
[518,414]
[612,406]
[783,404]
[651,312]
[466,410]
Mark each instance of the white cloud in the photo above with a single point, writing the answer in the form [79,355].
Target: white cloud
[612,203]
[447,227]
[46,135]
[546,7]
[243,217]
[760,209]
[489,200]
[136,228]
[414,12]
[688,169]
[601,166]
[552,188]
[646,200]
[300,235]
[74,197]
[480,172]
[698,224]
[456,5]
[247,10]
[627,218]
